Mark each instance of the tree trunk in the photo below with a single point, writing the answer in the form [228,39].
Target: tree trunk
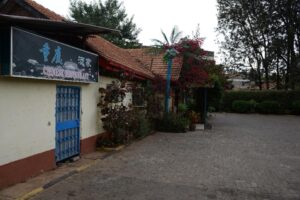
[259,75]
[277,74]
[293,68]
[266,67]
[287,75]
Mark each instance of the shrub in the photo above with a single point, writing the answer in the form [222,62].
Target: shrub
[123,127]
[211,109]
[143,127]
[105,140]
[296,107]
[284,98]
[116,117]
[242,106]
[268,107]
[113,139]
[215,94]
[172,123]
[182,108]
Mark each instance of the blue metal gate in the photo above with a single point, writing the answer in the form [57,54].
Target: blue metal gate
[67,122]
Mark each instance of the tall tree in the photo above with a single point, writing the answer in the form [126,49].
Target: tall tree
[288,16]
[265,32]
[110,14]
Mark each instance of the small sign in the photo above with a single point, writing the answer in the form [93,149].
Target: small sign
[34,56]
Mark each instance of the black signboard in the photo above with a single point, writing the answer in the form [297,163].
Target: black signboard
[34,56]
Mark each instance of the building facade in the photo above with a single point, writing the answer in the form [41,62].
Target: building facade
[49,86]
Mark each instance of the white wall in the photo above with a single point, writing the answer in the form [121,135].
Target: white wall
[27,115]
[27,118]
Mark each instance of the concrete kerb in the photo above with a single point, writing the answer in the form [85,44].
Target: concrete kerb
[38,190]
[31,193]
[52,182]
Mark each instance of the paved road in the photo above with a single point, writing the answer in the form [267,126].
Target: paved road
[243,157]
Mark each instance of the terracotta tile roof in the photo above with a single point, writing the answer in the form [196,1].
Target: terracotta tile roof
[104,48]
[156,63]
[44,11]
[117,55]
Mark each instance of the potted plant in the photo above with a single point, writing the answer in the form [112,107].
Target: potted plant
[194,119]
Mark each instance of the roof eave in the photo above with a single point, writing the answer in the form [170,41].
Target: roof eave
[40,24]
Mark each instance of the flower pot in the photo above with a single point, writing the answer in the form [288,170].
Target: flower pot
[192,127]
[110,149]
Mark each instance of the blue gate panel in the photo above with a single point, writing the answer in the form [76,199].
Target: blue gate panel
[67,122]
[67,125]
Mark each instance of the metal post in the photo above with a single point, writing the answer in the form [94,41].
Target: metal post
[168,85]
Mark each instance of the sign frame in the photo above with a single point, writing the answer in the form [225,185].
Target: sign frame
[11,74]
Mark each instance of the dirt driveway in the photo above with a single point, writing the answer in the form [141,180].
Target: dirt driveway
[242,157]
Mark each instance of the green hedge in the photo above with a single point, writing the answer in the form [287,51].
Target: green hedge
[172,122]
[285,99]
[242,106]
[296,107]
[268,107]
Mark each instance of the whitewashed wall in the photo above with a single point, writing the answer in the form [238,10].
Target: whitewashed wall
[27,118]
[27,115]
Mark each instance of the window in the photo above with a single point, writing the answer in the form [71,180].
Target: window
[138,99]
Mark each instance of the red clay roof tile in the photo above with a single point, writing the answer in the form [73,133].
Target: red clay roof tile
[156,63]
[118,55]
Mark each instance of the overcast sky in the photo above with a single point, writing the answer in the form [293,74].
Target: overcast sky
[153,15]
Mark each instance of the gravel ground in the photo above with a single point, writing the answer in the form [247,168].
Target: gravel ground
[242,157]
